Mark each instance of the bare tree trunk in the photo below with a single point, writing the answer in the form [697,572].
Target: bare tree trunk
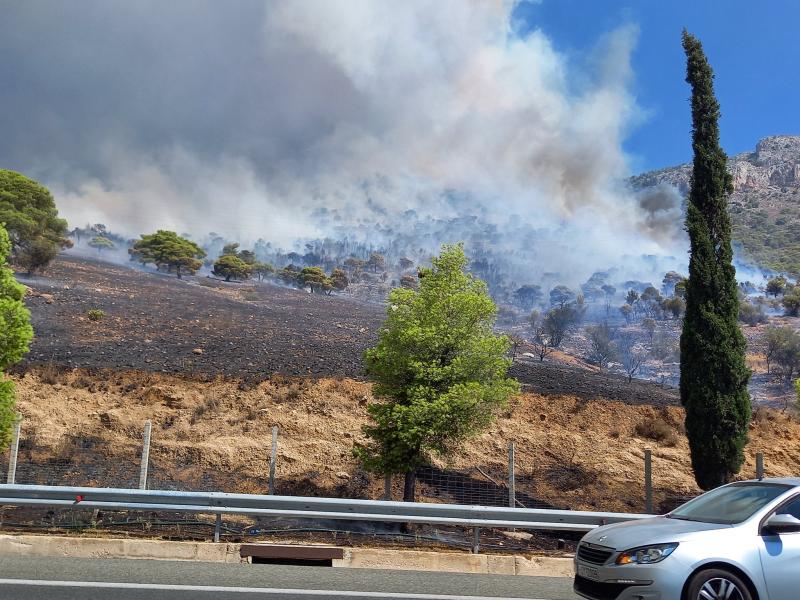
[409,486]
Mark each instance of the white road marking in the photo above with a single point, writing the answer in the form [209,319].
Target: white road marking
[243,590]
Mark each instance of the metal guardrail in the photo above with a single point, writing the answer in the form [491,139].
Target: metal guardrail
[218,503]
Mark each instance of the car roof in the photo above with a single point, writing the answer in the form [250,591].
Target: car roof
[793,481]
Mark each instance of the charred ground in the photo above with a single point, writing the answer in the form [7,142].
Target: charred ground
[202,327]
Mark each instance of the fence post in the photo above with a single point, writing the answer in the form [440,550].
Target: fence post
[476,540]
[13,454]
[387,487]
[148,426]
[648,481]
[272,458]
[760,465]
[218,527]
[512,484]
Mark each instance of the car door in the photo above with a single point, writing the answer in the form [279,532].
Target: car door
[780,558]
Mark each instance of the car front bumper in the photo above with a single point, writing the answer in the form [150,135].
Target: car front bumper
[629,582]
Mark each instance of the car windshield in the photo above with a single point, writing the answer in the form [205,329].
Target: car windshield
[730,504]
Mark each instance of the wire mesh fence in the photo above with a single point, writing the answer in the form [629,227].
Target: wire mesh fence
[137,459]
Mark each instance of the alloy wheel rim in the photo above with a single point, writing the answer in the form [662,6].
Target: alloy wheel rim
[720,588]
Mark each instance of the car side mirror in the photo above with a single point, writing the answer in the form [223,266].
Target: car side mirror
[782,524]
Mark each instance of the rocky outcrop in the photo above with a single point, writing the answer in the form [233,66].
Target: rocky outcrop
[775,163]
[764,206]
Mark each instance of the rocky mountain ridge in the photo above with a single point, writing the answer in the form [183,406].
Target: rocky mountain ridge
[764,205]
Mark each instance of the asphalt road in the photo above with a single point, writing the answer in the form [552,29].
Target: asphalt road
[29,578]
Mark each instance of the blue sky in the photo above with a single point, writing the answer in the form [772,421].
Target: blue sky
[752,46]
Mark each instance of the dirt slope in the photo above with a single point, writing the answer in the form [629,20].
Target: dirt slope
[573,453]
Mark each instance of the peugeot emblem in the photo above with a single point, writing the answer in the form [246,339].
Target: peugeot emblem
[601,538]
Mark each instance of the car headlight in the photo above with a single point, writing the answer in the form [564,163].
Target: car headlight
[646,555]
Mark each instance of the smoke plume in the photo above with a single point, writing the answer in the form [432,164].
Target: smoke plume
[247,118]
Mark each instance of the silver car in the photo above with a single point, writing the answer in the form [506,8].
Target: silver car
[738,542]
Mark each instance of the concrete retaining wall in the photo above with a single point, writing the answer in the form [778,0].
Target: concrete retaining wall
[356,558]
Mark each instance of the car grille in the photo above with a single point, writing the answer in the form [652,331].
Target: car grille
[596,556]
[597,589]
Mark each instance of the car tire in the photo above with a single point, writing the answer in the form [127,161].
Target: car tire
[714,584]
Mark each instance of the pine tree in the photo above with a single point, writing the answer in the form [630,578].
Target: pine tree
[439,370]
[15,335]
[714,374]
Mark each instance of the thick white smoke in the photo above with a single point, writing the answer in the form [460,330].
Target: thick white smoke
[381,107]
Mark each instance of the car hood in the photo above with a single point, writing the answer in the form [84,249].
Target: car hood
[658,530]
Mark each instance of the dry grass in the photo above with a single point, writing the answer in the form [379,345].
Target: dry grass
[578,453]
[657,429]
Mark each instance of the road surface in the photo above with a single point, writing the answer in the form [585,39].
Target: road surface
[46,578]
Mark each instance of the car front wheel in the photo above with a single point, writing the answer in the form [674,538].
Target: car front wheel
[718,584]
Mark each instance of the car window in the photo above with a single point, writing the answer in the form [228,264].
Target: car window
[793,508]
[729,504]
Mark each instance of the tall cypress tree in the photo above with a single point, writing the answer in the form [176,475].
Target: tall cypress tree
[714,374]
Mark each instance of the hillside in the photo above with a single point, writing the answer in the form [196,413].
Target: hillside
[204,328]
[765,204]
[83,427]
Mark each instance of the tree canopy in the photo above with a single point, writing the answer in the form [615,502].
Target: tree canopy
[714,373]
[169,252]
[35,231]
[101,243]
[439,369]
[15,336]
[230,267]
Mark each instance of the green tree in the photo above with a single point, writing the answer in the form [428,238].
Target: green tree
[791,302]
[289,275]
[15,336]
[339,280]
[714,374]
[313,278]
[776,286]
[438,368]
[231,267]
[263,270]
[31,219]
[168,251]
[101,243]
[528,295]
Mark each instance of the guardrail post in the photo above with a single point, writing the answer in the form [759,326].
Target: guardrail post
[512,484]
[648,481]
[13,454]
[760,465]
[218,527]
[476,540]
[148,426]
[387,487]
[272,459]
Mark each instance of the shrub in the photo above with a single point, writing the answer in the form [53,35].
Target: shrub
[656,429]
[751,314]
[95,314]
